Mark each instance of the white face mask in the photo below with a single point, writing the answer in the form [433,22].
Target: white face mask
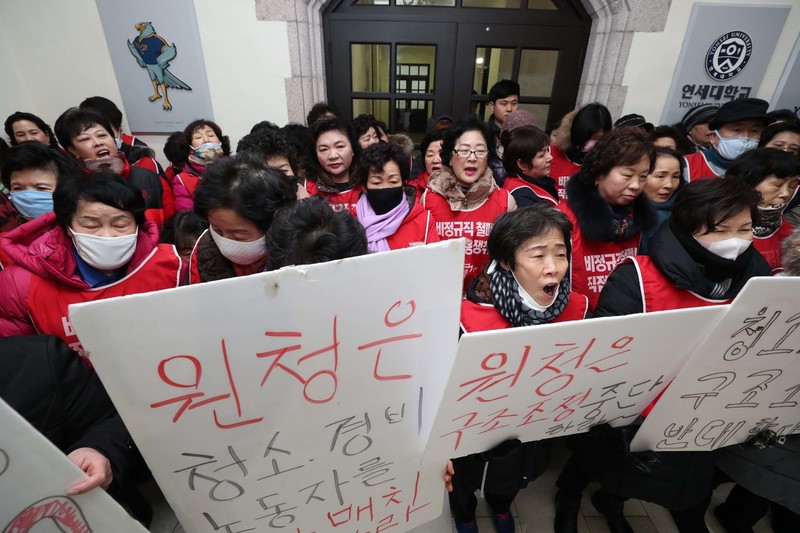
[732,147]
[240,252]
[105,253]
[528,300]
[727,248]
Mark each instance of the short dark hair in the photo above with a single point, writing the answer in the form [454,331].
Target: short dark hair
[589,119]
[246,184]
[199,123]
[430,137]
[311,232]
[375,158]
[264,124]
[268,143]
[783,114]
[663,151]
[183,229]
[624,146]
[522,143]
[774,129]
[104,187]
[468,123]
[35,156]
[659,132]
[75,121]
[753,166]
[319,109]
[105,107]
[174,150]
[361,124]
[706,203]
[512,229]
[22,115]
[503,89]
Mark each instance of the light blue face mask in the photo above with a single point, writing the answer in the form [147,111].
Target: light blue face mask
[732,147]
[32,203]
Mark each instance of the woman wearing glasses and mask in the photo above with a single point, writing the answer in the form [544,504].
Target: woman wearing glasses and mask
[463,196]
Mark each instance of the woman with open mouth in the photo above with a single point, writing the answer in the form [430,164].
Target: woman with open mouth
[703,256]
[463,196]
[529,285]
[605,207]
[89,138]
[774,174]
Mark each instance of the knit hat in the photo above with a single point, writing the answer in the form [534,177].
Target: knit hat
[634,120]
[702,114]
[742,109]
[520,117]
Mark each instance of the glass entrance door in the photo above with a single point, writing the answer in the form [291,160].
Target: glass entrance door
[401,79]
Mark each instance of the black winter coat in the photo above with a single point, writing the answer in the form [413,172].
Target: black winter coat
[58,394]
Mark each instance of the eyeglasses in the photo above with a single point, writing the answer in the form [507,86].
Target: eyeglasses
[480,153]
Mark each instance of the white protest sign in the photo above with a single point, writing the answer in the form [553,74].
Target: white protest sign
[551,380]
[34,478]
[745,377]
[298,399]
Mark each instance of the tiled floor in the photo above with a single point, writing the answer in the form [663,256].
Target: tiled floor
[533,510]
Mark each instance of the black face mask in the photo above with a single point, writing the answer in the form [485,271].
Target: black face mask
[384,200]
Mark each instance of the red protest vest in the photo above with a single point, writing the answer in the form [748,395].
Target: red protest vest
[512,183]
[770,246]
[660,294]
[189,180]
[473,224]
[593,261]
[49,301]
[697,168]
[341,201]
[561,168]
[417,228]
[485,317]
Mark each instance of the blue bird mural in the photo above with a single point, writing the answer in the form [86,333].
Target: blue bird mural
[154,54]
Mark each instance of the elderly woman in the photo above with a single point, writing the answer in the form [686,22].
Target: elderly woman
[89,138]
[529,250]
[703,256]
[31,171]
[389,210]
[774,174]
[463,196]
[24,127]
[96,244]
[239,197]
[203,143]
[330,165]
[605,207]
[527,160]
[431,150]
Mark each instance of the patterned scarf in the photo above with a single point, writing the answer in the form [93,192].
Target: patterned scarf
[508,302]
[769,220]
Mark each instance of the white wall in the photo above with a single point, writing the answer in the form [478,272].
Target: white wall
[653,58]
[54,54]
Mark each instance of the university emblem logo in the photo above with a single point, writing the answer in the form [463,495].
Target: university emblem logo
[728,56]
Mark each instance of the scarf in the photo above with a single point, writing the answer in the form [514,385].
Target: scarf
[769,220]
[445,183]
[505,291]
[623,223]
[379,227]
